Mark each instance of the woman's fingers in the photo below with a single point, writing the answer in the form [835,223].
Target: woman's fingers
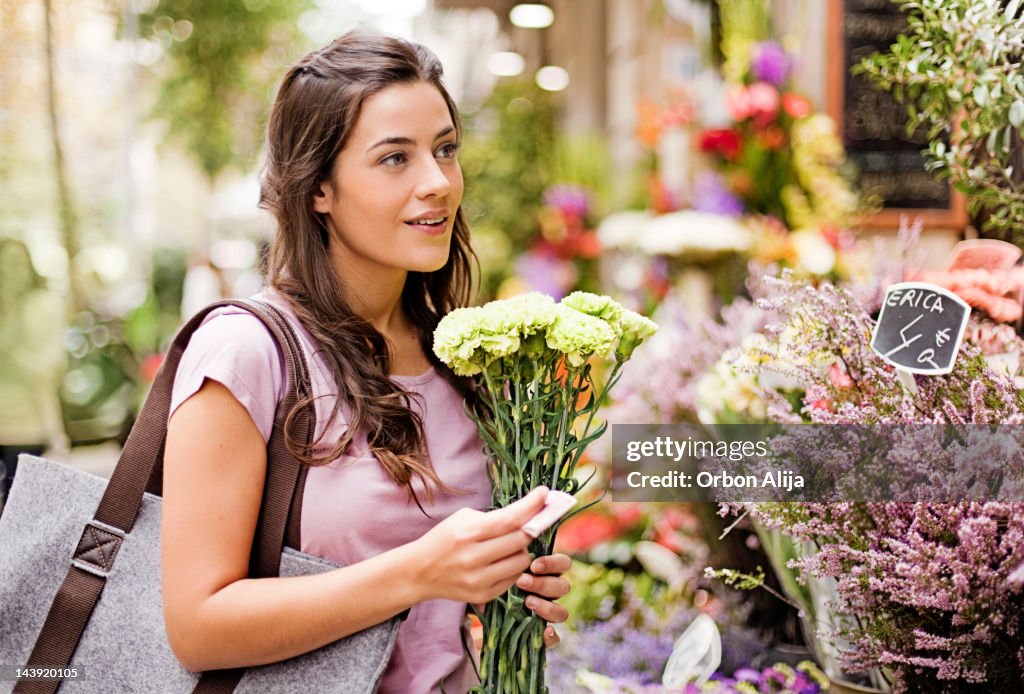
[503,573]
[551,639]
[554,564]
[511,518]
[553,587]
[547,610]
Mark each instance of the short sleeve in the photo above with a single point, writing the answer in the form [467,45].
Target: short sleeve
[235,349]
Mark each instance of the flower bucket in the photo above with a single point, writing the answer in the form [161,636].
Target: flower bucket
[838,686]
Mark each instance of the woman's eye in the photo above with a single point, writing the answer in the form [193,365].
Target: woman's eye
[396,159]
[448,150]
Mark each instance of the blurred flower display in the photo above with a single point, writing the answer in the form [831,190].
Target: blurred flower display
[776,157]
[630,643]
[780,678]
[781,165]
[562,257]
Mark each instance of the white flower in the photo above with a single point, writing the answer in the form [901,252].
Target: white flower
[695,234]
[623,229]
[728,390]
[813,253]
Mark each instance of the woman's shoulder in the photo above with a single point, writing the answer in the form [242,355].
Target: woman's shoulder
[234,348]
[230,329]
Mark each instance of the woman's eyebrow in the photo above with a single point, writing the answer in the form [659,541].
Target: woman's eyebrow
[401,140]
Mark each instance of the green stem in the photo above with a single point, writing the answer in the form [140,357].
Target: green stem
[562,427]
[517,417]
[536,420]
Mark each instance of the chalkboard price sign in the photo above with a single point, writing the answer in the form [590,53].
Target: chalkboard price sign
[889,162]
[920,327]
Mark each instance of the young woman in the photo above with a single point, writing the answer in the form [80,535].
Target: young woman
[371,250]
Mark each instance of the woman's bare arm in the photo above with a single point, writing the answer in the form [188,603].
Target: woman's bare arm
[217,617]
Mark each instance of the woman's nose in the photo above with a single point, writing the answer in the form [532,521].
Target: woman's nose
[435,182]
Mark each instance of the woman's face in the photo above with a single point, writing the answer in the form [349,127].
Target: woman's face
[395,186]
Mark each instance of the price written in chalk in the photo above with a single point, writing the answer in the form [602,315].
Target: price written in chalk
[920,327]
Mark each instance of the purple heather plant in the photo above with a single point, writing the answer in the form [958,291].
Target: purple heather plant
[928,585]
[671,398]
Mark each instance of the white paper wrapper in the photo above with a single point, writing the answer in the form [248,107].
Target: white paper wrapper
[556,505]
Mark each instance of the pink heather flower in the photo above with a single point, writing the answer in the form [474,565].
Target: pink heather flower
[933,591]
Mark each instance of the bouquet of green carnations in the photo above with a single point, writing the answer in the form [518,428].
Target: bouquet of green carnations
[532,363]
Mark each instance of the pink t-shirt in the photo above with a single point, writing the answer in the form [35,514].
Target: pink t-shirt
[351,508]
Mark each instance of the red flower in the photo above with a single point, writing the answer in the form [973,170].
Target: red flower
[581,533]
[627,514]
[795,105]
[771,138]
[589,245]
[722,141]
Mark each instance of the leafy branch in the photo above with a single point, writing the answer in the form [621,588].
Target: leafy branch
[959,73]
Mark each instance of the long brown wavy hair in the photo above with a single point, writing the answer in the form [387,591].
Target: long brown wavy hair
[314,113]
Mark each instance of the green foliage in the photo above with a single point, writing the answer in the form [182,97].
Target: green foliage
[221,62]
[149,327]
[583,160]
[743,23]
[959,73]
[599,591]
[507,162]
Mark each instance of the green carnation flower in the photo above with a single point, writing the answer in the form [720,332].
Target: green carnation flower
[596,305]
[630,327]
[526,313]
[458,339]
[635,329]
[577,335]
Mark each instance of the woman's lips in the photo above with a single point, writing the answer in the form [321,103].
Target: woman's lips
[430,229]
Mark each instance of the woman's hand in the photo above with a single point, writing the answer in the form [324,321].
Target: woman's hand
[473,556]
[545,581]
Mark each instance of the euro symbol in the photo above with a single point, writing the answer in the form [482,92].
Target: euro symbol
[942,337]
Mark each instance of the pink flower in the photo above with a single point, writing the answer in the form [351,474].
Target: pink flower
[764,100]
[839,378]
[737,100]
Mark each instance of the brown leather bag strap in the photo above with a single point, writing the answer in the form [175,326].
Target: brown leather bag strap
[280,511]
[282,491]
[140,462]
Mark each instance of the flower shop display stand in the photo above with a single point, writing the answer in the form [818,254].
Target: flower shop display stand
[837,686]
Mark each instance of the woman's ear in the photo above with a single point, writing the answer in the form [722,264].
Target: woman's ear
[323,198]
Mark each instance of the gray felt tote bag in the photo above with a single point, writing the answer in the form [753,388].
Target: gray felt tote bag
[80,576]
